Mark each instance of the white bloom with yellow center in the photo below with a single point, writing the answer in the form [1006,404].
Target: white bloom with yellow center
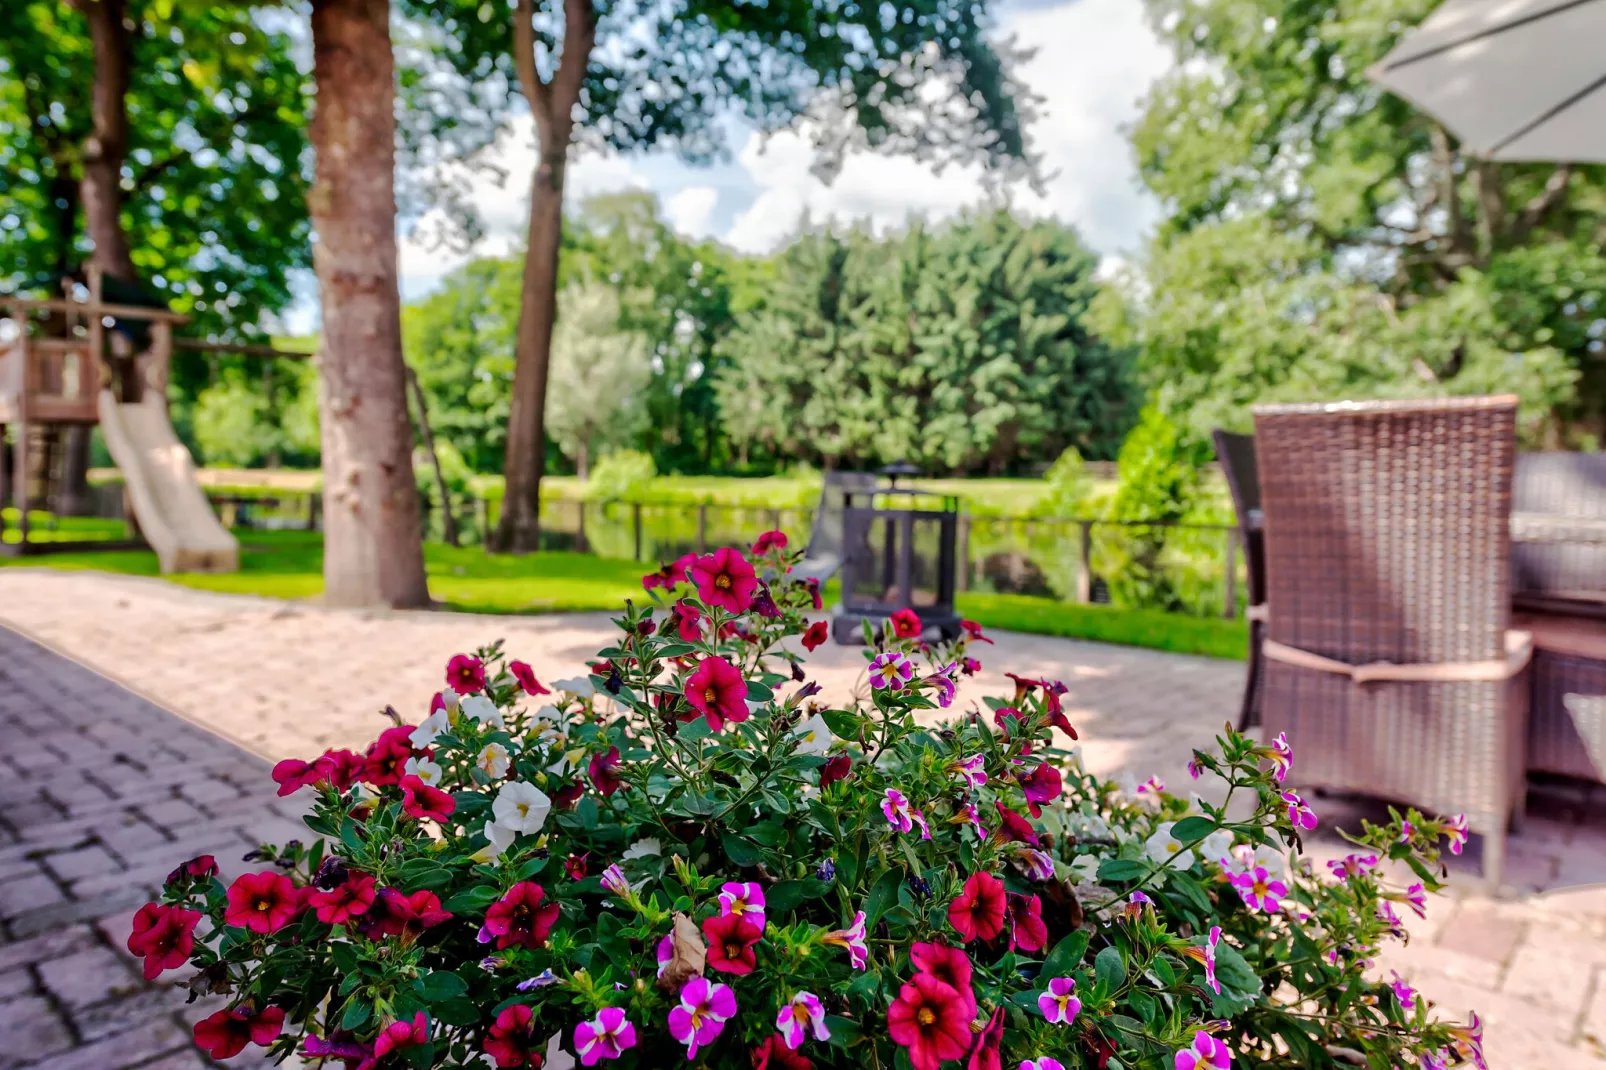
[494,760]
[501,838]
[425,734]
[813,736]
[521,806]
[482,710]
[424,770]
[1166,849]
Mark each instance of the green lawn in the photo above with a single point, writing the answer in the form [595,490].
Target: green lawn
[289,564]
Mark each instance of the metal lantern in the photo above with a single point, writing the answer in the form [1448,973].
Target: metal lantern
[899,551]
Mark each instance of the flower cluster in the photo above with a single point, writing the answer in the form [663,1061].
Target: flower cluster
[684,856]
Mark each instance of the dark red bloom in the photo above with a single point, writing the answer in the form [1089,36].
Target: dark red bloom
[1027,930]
[199,868]
[566,797]
[465,674]
[1052,690]
[384,764]
[345,768]
[344,901]
[577,866]
[1041,785]
[977,912]
[730,939]
[526,678]
[602,768]
[510,1041]
[817,634]
[985,1054]
[226,1033]
[293,774]
[906,624]
[1008,718]
[1014,828]
[724,579]
[764,603]
[718,691]
[401,1034]
[668,575]
[947,964]
[774,1052]
[770,540]
[835,769]
[970,666]
[686,619]
[419,800]
[973,631]
[396,913]
[521,918]
[338,1045]
[1024,685]
[262,902]
[930,1021]
[163,936]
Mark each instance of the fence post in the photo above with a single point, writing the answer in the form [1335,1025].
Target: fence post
[964,551]
[580,527]
[1230,609]
[1084,574]
[775,520]
[702,527]
[482,519]
[635,519]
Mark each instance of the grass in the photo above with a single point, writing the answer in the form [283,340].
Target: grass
[289,564]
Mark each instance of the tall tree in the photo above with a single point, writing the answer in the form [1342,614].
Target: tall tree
[600,371]
[373,553]
[918,76]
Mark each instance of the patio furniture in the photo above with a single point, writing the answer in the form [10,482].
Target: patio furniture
[823,557]
[1237,456]
[1389,659]
[1558,565]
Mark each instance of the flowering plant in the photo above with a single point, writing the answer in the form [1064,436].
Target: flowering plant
[686,855]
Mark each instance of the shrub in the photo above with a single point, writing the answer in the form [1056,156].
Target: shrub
[685,854]
[623,475]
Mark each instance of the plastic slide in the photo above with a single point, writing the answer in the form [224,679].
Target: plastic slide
[169,505]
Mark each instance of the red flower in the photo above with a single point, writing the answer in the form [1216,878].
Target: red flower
[724,579]
[835,769]
[400,1034]
[1014,828]
[226,1033]
[687,620]
[262,902]
[947,964]
[509,1041]
[164,936]
[1027,930]
[985,1055]
[577,866]
[977,912]
[973,631]
[465,674]
[396,913]
[930,1021]
[200,868]
[602,768]
[293,774]
[420,800]
[340,904]
[1041,785]
[566,797]
[906,624]
[520,918]
[774,1052]
[345,768]
[718,691]
[970,666]
[1003,717]
[1024,685]
[770,540]
[387,756]
[667,575]
[818,633]
[526,678]
[730,939]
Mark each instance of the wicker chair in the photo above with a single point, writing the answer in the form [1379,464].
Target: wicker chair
[1388,659]
[1237,456]
[1559,590]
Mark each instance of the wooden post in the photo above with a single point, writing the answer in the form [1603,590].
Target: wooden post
[964,551]
[702,527]
[482,518]
[775,520]
[635,520]
[1230,587]
[19,466]
[580,526]
[1084,575]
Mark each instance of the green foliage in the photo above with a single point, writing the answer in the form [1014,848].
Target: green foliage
[1159,479]
[245,423]
[1069,486]
[598,373]
[623,475]
[956,347]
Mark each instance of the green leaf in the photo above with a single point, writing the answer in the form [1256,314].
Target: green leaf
[456,1012]
[1187,888]
[472,900]
[845,1032]
[1192,828]
[1233,971]
[757,692]
[692,731]
[422,873]
[1066,955]
[1109,968]
[882,896]
[587,812]
[787,895]
[843,725]
[357,1012]
[350,836]
[532,867]
[441,985]
[740,851]
[1122,869]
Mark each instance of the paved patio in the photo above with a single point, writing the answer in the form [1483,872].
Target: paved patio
[116,771]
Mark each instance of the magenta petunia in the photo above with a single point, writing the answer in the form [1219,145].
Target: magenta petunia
[1205,1053]
[890,671]
[724,579]
[701,1015]
[1059,1003]
[743,900]
[1299,814]
[718,691]
[1456,832]
[465,674]
[802,1016]
[896,807]
[1041,785]
[770,540]
[526,677]
[1259,889]
[606,1036]
[853,940]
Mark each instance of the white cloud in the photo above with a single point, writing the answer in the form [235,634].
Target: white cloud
[691,211]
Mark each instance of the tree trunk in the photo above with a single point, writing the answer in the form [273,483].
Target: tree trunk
[582,459]
[373,552]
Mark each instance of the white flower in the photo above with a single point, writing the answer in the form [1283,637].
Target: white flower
[549,714]
[424,770]
[450,698]
[1075,756]
[577,686]
[501,838]
[425,734]
[1217,847]
[493,760]
[643,848]
[521,806]
[1246,858]
[482,710]
[1166,849]
[1087,826]
[1086,868]
[566,760]
[813,736]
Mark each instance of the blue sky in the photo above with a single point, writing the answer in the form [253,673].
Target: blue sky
[1094,61]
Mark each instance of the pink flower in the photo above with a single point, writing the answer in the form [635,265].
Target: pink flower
[817,634]
[1015,828]
[1196,765]
[724,579]
[770,540]
[465,674]
[1416,897]
[1059,1004]
[613,881]
[943,681]
[1385,914]
[985,1053]
[1152,786]
[526,678]
[1206,955]
[853,939]
[419,800]
[604,1037]
[687,621]
[1281,755]
[385,762]
[718,691]
[1456,831]
[890,670]
[293,774]
[1352,865]
[813,585]
[400,1034]
[350,899]
[1041,785]
[395,913]
[972,631]
[1205,1053]
[1027,928]
[835,769]
[906,624]
[729,939]
[1403,992]
[226,1033]
[602,769]
[701,1016]
[520,918]
[665,954]
[896,807]
[745,901]
[1045,1063]
[262,902]
[510,1041]
[1259,890]
[930,1021]
[667,575]
[920,819]
[1469,1040]
[801,1015]
[1039,864]
[163,936]
[1299,815]
[950,965]
[978,911]
[971,770]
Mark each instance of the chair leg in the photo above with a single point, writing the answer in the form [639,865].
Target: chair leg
[1249,715]
[1494,858]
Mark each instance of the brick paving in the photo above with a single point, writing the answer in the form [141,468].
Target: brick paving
[108,781]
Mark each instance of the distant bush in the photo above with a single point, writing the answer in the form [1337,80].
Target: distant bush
[622,475]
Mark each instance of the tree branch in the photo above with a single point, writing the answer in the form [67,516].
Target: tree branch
[579,37]
[1533,213]
[535,90]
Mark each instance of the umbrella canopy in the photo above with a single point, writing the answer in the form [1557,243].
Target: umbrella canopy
[1513,79]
